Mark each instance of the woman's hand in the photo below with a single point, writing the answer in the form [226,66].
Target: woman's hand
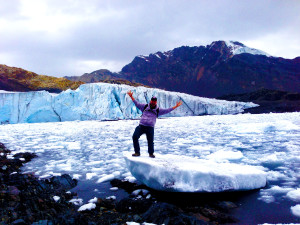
[130,94]
[177,104]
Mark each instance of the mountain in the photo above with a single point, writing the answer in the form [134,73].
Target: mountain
[17,79]
[102,101]
[104,76]
[220,68]
[268,101]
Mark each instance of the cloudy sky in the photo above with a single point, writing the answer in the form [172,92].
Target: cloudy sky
[71,37]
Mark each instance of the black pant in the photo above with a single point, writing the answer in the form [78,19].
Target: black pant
[139,130]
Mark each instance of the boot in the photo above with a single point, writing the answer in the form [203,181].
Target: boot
[136,154]
[151,156]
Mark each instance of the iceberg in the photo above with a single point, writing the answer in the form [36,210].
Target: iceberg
[101,101]
[186,174]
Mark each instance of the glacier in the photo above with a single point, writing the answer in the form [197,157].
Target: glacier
[186,174]
[101,101]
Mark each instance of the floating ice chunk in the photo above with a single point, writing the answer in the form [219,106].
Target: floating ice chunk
[267,198]
[116,173]
[140,191]
[88,206]
[130,179]
[111,197]
[186,174]
[73,145]
[132,223]
[225,155]
[77,201]
[275,175]
[90,175]
[106,178]
[77,176]
[94,200]
[276,190]
[296,210]
[56,198]
[267,195]
[114,189]
[294,195]
[97,169]
[94,163]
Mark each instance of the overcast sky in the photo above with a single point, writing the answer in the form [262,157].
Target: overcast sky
[71,37]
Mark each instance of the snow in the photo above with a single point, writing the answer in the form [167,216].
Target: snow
[296,210]
[101,101]
[2,91]
[187,174]
[239,49]
[269,142]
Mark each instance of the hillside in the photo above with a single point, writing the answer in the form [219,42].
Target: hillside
[104,76]
[17,79]
[220,68]
[268,101]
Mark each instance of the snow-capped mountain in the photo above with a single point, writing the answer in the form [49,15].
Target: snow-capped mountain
[102,101]
[239,48]
[218,69]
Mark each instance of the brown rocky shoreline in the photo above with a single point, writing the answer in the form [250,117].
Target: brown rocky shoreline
[26,199]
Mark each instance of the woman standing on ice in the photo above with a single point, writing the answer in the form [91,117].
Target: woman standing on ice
[147,123]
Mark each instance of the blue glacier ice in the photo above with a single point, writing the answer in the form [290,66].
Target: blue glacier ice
[101,101]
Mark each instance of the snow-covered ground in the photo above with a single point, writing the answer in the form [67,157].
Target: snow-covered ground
[92,151]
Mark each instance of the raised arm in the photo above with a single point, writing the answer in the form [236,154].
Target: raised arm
[177,104]
[165,111]
[130,95]
[137,104]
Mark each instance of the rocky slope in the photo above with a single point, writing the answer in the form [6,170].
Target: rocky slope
[17,79]
[269,101]
[104,76]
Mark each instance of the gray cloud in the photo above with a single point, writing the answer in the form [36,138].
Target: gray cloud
[72,37]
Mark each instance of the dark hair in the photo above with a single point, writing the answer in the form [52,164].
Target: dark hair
[154,99]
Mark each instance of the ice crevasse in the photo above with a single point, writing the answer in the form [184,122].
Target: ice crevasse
[101,101]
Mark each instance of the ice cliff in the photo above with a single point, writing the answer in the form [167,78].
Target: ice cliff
[101,101]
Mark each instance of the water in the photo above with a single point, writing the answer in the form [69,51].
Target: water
[92,150]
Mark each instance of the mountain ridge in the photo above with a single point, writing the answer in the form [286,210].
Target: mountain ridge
[218,69]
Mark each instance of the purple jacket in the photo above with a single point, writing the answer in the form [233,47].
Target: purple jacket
[149,115]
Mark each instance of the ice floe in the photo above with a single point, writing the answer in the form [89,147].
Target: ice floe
[186,174]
